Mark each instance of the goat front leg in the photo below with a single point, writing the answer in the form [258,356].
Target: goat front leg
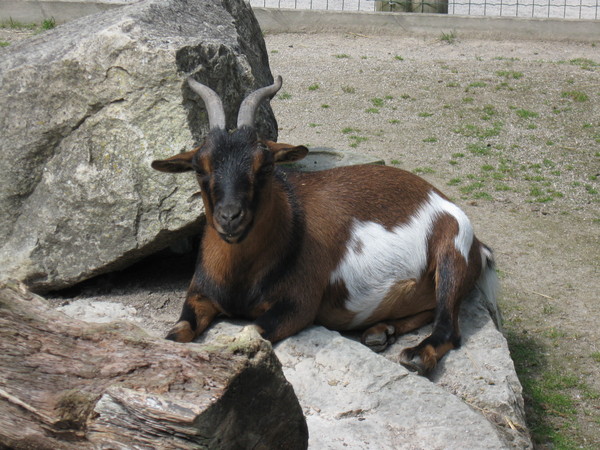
[281,320]
[197,314]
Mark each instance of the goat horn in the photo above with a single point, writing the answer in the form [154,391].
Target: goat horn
[251,102]
[214,105]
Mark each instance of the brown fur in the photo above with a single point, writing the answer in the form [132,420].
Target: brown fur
[331,201]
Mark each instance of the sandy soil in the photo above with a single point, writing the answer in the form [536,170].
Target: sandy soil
[510,130]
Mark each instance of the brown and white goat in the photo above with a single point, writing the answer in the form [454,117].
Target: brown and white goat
[366,247]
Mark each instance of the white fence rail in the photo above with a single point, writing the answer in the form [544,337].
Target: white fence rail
[566,9]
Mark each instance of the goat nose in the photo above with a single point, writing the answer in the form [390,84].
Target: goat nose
[230,213]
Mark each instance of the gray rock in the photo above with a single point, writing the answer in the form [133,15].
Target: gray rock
[85,109]
[354,398]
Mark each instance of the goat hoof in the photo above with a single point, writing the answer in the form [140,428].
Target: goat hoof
[181,332]
[413,366]
[379,337]
[411,359]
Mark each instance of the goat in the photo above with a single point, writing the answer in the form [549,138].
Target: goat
[365,247]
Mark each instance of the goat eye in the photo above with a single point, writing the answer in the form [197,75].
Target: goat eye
[266,169]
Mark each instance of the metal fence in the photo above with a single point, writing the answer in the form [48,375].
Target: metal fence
[564,9]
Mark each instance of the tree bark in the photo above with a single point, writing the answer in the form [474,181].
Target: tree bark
[67,384]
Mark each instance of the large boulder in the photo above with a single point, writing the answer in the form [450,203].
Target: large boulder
[85,109]
[354,398]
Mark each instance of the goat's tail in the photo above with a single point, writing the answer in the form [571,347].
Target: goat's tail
[488,285]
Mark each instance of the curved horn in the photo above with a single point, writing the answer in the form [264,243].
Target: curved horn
[250,103]
[214,105]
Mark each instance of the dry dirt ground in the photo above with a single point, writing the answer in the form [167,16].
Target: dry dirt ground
[511,131]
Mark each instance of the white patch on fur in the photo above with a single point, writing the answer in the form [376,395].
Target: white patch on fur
[376,258]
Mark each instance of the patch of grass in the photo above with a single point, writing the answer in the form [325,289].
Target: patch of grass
[430,139]
[526,114]
[423,170]
[394,121]
[325,106]
[398,58]
[482,196]
[372,110]
[577,96]
[284,96]
[16,25]
[395,162]
[425,114]
[349,130]
[377,102]
[4,44]
[476,84]
[342,56]
[591,189]
[510,74]
[584,63]
[355,140]
[479,149]
[314,87]
[468,100]
[314,125]
[596,356]
[48,24]
[454,182]
[449,38]
[488,112]
[348,90]
[472,187]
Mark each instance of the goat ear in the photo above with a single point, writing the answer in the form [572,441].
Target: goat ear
[175,164]
[285,153]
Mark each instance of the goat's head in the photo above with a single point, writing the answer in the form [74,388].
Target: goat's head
[235,170]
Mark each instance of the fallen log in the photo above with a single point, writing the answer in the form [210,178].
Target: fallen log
[67,384]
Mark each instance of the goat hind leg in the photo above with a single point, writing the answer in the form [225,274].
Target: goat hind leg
[452,282]
[380,336]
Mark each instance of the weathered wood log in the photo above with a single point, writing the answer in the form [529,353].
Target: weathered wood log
[67,384]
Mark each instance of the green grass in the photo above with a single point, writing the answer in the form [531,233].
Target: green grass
[349,130]
[449,38]
[48,24]
[526,114]
[510,74]
[314,87]
[342,56]
[377,102]
[479,149]
[471,130]
[4,44]
[355,140]
[423,170]
[284,96]
[576,96]
[17,25]
[348,90]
